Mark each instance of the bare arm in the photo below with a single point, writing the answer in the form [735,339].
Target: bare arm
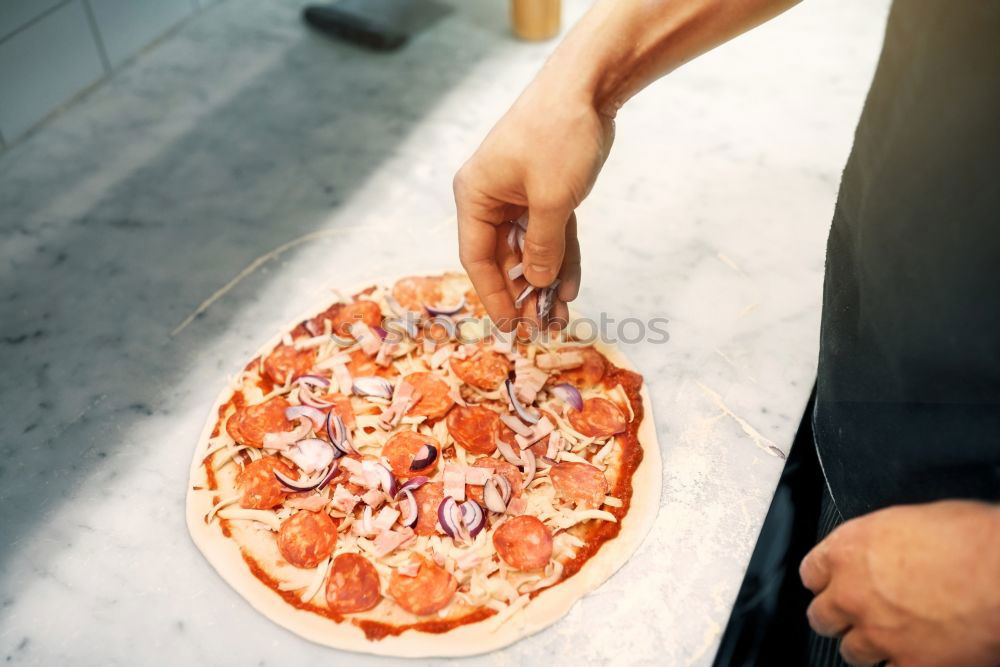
[544,155]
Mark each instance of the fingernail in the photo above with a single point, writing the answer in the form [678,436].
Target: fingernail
[539,268]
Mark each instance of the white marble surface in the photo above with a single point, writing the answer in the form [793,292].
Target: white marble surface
[242,132]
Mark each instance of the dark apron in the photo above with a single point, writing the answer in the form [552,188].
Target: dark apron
[908,393]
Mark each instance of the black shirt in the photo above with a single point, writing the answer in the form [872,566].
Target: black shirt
[908,394]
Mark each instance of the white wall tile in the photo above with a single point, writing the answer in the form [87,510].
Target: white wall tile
[126,26]
[16,13]
[44,65]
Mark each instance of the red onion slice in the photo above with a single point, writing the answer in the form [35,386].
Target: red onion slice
[313,380]
[299,485]
[409,514]
[311,327]
[530,465]
[412,484]
[493,494]
[311,454]
[505,488]
[337,432]
[373,385]
[525,293]
[312,414]
[382,333]
[386,480]
[450,518]
[521,411]
[329,476]
[546,299]
[473,517]
[511,239]
[366,520]
[425,457]
[508,453]
[568,394]
[445,310]
[306,397]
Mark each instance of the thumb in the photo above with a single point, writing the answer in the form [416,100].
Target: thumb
[545,243]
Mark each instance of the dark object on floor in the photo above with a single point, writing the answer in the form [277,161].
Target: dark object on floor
[768,624]
[383,25]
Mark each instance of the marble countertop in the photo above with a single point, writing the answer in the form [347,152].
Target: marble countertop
[244,154]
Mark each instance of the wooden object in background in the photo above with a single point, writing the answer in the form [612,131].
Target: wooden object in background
[536,19]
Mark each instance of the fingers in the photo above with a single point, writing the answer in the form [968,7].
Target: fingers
[477,239]
[815,568]
[545,243]
[569,274]
[857,650]
[826,618]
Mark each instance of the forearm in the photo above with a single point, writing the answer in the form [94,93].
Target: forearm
[621,46]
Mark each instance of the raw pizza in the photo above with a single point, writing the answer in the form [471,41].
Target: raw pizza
[380,479]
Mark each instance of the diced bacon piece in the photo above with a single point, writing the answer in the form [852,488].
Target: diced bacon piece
[344,500]
[386,518]
[370,474]
[343,377]
[454,481]
[528,380]
[469,560]
[402,398]
[373,497]
[558,361]
[538,431]
[477,476]
[409,568]
[555,444]
[313,503]
[370,341]
[503,342]
[517,506]
[442,354]
[386,352]
[351,465]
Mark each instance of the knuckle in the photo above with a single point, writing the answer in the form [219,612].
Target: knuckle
[541,252]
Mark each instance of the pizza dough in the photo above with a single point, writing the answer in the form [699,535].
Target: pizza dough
[349,584]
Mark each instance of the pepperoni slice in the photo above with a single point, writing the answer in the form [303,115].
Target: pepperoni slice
[353,585]
[414,291]
[402,448]
[579,482]
[260,489]
[524,543]
[475,428]
[249,424]
[307,538]
[599,418]
[589,373]
[361,310]
[428,497]
[286,363]
[484,370]
[510,472]
[428,592]
[434,395]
